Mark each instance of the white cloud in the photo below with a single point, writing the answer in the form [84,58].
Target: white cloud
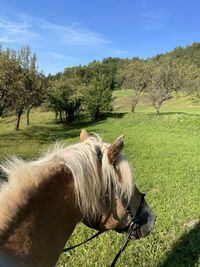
[72,34]
[55,55]
[27,28]
[55,45]
[15,32]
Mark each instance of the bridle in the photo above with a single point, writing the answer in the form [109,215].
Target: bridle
[132,229]
[135,221]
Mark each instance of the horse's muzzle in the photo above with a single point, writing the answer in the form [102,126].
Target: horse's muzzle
[146,229]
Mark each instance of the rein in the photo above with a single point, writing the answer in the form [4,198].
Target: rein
[133,228]
[75,246]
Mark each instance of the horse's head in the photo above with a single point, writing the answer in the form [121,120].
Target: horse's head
[123,206]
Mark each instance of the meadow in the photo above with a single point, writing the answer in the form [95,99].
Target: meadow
[164,152]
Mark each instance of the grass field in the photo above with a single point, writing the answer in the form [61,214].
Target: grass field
[164,152]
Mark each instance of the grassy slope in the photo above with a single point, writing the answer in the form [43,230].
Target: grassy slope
[164,151]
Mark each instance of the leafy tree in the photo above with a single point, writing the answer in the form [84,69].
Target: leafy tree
[111,65]
[26,94]
[80,75]
[107,67]
[9,78]
[191,81]
[189,55]
[37,93]
[97,96]
[165,79]
[136,76]
[65,98]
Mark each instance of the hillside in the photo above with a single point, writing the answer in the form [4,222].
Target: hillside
[189,55]
[179,102]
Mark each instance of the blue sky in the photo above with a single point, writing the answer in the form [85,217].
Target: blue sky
[66,33]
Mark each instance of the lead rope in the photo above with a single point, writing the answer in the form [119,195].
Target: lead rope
[72,247]
[97,234]
[121,249]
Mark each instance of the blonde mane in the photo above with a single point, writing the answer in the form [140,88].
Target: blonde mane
[90,183]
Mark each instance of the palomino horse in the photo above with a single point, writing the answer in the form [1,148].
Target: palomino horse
[43,200]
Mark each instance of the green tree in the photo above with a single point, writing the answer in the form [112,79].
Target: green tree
[97,96]
[134,75]
[191,81]
[37,94]
[9,78]
[27,93]
[64,97]
[165,79]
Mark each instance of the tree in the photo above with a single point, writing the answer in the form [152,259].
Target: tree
[64,97]
[37,94]
[191,81]
[110,67]
[27,93]
[9,78]
[136,76]
[97,96]
[165,79]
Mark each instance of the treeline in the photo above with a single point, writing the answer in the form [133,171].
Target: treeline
[89,88]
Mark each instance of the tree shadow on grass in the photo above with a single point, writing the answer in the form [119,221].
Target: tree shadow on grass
[48,133]
[43,134]
[186,251]
[116,115]
[83,120]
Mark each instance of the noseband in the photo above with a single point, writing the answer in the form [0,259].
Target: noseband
[133,227]
[135,220]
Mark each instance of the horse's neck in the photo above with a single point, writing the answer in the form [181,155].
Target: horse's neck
[43,226]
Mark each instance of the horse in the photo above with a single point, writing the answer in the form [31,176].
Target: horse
[43,200]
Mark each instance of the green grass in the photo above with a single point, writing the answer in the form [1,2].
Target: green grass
[164,152]
[179,103]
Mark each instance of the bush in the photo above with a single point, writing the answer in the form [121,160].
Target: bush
[97,97]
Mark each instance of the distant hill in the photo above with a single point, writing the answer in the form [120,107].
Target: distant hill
[188,55]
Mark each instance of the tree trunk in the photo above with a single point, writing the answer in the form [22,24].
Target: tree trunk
[95,114]
[56,116]
[28,116]
[1,111]
[66,117]
[19,114]
[70,116]
[133,106]
[134,101]
[61,119]
[157,107]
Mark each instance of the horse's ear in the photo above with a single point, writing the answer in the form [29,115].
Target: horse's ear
[115,149]
[84,135]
